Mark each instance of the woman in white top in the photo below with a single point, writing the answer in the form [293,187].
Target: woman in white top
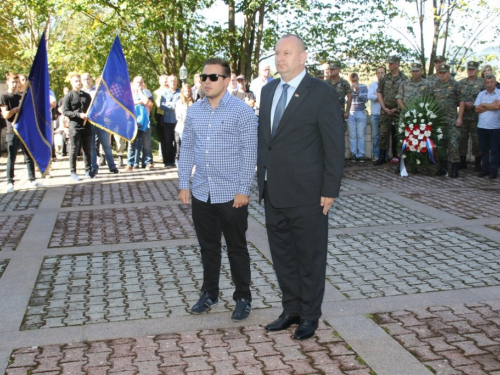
[185,101]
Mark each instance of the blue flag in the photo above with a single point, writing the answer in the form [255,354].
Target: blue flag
[34,123]
[113,106]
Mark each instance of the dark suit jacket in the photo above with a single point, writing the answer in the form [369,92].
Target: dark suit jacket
[305,159]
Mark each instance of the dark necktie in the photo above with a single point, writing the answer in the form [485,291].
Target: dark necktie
[280,108]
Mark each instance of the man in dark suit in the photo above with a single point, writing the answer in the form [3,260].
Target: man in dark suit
[300,165]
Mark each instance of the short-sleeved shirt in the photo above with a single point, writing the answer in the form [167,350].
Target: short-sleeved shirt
[10,101]
[447,95]
[389,87]
[342,87]
[410,90]
[488,119]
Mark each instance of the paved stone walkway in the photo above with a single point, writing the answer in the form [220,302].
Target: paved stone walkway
[98,277]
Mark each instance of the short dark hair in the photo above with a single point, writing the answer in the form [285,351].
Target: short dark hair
[218,61]
[353,75]
[490,76]
[381,67]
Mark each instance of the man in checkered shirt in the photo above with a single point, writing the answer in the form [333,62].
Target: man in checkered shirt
[220,139]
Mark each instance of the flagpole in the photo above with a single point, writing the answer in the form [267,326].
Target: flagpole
[99,82]
[26,87]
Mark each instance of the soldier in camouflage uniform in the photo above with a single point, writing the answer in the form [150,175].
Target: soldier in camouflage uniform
[387,90]
[438,62]
[413,88]
[470,87]
[447,93]
[343,87]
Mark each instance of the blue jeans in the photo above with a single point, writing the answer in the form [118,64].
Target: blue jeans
[103,137]
[356,124]
[375,119]
[141,141]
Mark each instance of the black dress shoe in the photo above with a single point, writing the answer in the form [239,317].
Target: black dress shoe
[483,174]
[283,322]
[306,329]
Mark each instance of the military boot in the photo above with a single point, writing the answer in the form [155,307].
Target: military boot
[477,164]
[463,163]
[382,159]
[443,168]
[454,169]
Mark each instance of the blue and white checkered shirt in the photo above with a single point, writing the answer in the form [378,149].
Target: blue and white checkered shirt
[222,143]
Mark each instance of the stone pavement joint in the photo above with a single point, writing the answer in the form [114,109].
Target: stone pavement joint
[135,284]
[21,200]
[12,229]
[122,225]
[455,339]
[387,264]
[218,351]
[468,204]
[128,192]
[3,265]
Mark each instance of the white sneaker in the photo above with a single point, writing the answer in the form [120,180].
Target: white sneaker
[75,177]
[36,184]
[9,188]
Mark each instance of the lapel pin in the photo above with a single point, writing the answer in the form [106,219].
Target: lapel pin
[296,95]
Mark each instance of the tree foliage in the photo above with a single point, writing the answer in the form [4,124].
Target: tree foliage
[159,36]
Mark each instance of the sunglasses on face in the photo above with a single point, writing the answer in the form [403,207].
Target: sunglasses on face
[211,77]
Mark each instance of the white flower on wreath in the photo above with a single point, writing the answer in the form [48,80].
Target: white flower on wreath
[414,111]
[421,105]
[430,123]
[422,126]
[418,161]
[439,137]
[422,121]
[416,132]
[440,131]
[407,133]
[413,148]
[414,121]
[410,126]
[414,142]
[404,156]
[407,114]
[427,133]
[432,116]
[423,144]
[420,136]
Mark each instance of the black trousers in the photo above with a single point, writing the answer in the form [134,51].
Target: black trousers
[161,137]
[80,137]
[210,221]
[298,238]
[170,144]
[13,144]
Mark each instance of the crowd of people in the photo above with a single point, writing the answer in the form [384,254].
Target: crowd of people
[471,107]
[167,106]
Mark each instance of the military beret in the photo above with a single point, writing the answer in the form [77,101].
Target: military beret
[394,59]
[444,68]
[472,65]
[416,67]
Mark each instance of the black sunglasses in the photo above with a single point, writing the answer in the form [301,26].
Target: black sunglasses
[211,77]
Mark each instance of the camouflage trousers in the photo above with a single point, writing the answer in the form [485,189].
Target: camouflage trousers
[385,128]
[454,133]
[469,128]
